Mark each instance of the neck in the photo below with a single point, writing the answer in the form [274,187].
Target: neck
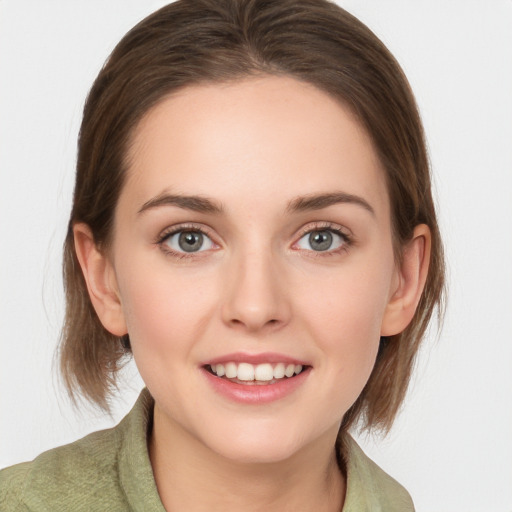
[191,477]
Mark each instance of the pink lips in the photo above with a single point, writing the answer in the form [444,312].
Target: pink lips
[266,357]
[252,393]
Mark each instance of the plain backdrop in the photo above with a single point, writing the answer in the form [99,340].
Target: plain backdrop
[452,445]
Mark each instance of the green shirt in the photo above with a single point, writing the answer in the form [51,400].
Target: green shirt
[110,471]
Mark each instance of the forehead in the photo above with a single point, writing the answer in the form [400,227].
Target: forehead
[270,137]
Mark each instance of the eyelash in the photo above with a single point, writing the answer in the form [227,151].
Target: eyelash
[310,228]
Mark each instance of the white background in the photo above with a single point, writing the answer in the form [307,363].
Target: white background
[452,445]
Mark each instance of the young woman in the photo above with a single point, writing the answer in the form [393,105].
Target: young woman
[253,221]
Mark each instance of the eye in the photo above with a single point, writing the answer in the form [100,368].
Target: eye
[188,241]
[321,240]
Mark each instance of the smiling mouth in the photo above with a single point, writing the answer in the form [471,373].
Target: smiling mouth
[256,374]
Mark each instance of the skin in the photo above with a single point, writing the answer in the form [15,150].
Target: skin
[252,148]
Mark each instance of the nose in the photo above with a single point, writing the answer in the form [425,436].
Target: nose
[256,296]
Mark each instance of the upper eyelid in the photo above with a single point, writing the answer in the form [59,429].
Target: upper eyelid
[324,225]
[186,226]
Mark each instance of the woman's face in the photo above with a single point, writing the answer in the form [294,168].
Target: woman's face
[253,236]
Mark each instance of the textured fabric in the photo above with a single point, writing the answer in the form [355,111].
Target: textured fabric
[110,471]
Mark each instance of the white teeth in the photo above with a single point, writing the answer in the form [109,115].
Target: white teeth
[264,372]
[231,370]
[290,370]
[261,372]
[245,371]
[279,371]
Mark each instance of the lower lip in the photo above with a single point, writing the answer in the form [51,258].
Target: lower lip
[256,393]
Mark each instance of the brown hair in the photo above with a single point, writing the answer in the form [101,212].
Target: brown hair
[194,41]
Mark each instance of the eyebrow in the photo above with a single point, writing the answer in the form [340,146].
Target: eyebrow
[319,201]
[193,203]
[299,204]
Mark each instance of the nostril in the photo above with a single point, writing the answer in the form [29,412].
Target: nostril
[237,322]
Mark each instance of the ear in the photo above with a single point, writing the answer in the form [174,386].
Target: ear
[411,277]
[101,280]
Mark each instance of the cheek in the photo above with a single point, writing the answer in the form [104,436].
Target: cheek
[166,319]
[348,303]
[162,308]
[344,316]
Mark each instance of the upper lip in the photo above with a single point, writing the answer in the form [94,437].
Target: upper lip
[264,357]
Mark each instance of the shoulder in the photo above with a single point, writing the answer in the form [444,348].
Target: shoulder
[369,487]
[107,470]
[11,486]
[71,477]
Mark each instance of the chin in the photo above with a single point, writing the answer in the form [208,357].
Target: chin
[258,453]
[261,444]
